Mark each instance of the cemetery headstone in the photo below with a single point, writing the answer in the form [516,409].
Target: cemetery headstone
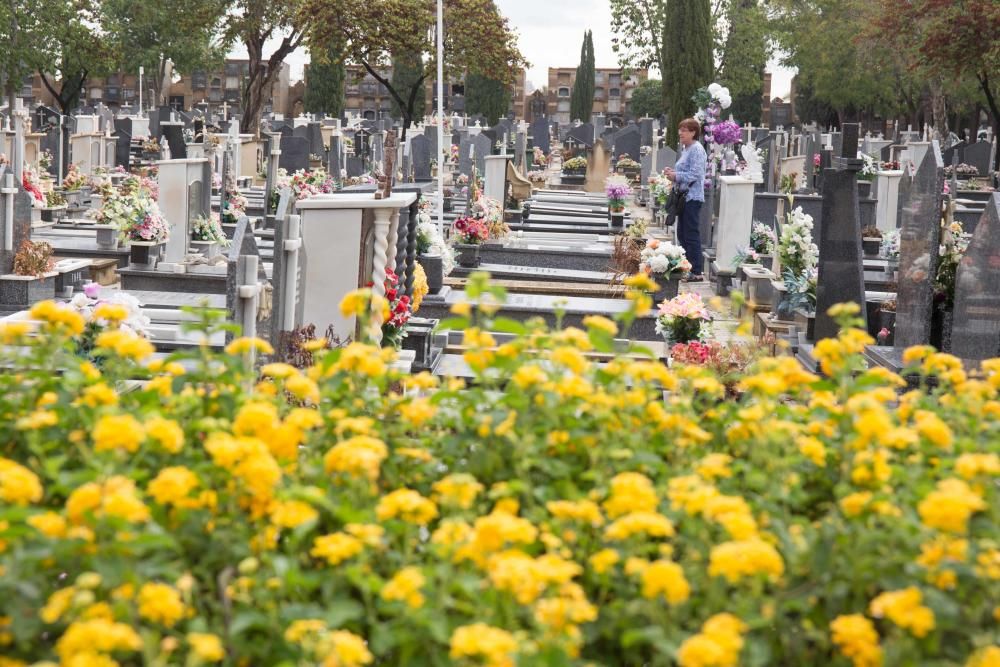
[174,133]
[978,156]
[665,157]
[919,236]
[336,161]
[123,143]
[420,151]
[540,134]
[294,154]
[355,166]
[646,131]
[18,227]
[244,245]
[976,330]
[841,275]
[431,134]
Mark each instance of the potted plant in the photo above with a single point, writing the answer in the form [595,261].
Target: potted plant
[576,166]
[468,235]
[490,212]
[636,232]
[800,300]
[683,319]
[151,149]
[628,168]
[763,243]
[27,285]
[73,186]
[867,174]
[665,263]
[394,328]
[871,240]
[207,235]
[54,204]
[886,322]
[797,254]
[138,221]
[954,243]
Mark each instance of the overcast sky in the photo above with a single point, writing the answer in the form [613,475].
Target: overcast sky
[550,33]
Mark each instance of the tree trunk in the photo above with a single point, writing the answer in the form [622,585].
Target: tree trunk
[939,108]
[992,103]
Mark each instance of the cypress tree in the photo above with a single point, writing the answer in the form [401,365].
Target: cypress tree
[687,35]
[486,96]
[325,87]
[582,99]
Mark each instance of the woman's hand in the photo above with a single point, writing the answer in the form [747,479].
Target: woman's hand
[670,174]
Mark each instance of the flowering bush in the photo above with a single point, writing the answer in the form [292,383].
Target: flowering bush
[536,175]
[555,510]
[469,231]
[490,212]
[394,325]
[663,257]
[209,228]
[796,250]
[136,216]
[683,319]
[954,243]
[74,179]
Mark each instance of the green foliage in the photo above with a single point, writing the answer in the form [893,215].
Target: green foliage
[647,99]
[582,101]
[325,84]
[148,34]
[486,96]
[687,37]
[408,80]
[743,57]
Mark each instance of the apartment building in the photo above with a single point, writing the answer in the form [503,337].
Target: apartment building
[612,91]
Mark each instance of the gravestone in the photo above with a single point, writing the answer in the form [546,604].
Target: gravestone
[316,146]
[976,330]
[919,236]
[628,142]
[540,134]
[431,134]
[953,152]
[244,244]
[646,164]
[665,157]
[294,153]
[355,166]
[336,164]
[174,133]
[378,147]
[420,152]
[520,148]
[646,131]
[123,143]
[841,276]
[903,194]
[19,224]
[978,156]
[465,158]
[599,121]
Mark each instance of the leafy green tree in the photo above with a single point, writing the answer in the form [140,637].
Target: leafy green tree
[477,40]
[743,55]
[582,101]
[647,99]
[325,83]
[407,69]
[638,30]
[254,23]
[486,96]
[151,35]
[687,37]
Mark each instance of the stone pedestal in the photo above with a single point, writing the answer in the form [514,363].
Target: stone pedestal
[495,179]
[735,218]
[185,194]
[345,245]
[887,186]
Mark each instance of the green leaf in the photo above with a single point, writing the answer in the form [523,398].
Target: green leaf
[507,325]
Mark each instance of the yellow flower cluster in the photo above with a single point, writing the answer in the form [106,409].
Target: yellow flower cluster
[18,485]
[857,639]
[717,645]
[491,645]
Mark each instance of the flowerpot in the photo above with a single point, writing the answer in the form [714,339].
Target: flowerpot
[667,286]
[767,261]
[208,249]
[870,246]
[468,255]
[36,215]
[864,189]
[107,238]
[74,198]
[144,254]
[434,269]
[25,291]
[53,214]
[806,322]
[617,221]
[886,320]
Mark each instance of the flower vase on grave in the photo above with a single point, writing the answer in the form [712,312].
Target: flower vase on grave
[468,254]
[145,254]
[617,221]
[74,198]
[667,286]
[870,246]
[433,266]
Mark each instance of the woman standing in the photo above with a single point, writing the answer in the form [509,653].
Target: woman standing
[689,175]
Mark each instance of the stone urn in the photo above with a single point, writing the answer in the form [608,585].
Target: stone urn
[468,254]
[433,266]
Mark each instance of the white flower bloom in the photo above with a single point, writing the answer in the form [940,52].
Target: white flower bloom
[714,90]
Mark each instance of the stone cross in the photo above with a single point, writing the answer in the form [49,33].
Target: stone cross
[385,182]
[20,115]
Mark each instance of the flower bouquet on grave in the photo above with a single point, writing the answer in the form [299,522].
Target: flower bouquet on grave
[120,311]
[536,175]
[796,250]
[889,246]
[869,167]
[234,208]
[209,228]
[762,238]
[143,222]
[74,179]
[576,165]
[30,182]
[665,263]
[746,255]
[396,313]
[490,212]
[468,234]
[683,319]
[659,189]
[538,157]
[617,191]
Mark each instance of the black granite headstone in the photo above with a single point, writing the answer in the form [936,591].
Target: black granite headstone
[420,151]
[294,154]
[978,156]
[20,223]
[123,143]
[540,134]
[174,132]
[976,330]
[919,236]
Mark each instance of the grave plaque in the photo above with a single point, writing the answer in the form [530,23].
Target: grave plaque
[174,132]
[628,142]
[540,134]
[919,236]
[978,156]
[976,331]
[665,157]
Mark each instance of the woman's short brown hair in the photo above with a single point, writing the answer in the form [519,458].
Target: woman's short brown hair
[691,124]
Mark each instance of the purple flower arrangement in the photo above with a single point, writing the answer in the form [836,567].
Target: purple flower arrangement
[617,192]
[726,132]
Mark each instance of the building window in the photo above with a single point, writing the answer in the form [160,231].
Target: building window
[216,82]
[563,106]
[199,80]
[95,94]
[369,103]
[112,93]
[598,78]
[598,93]
[215,96]
[232,69]
[615,92]
[564,92]
[232,82]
